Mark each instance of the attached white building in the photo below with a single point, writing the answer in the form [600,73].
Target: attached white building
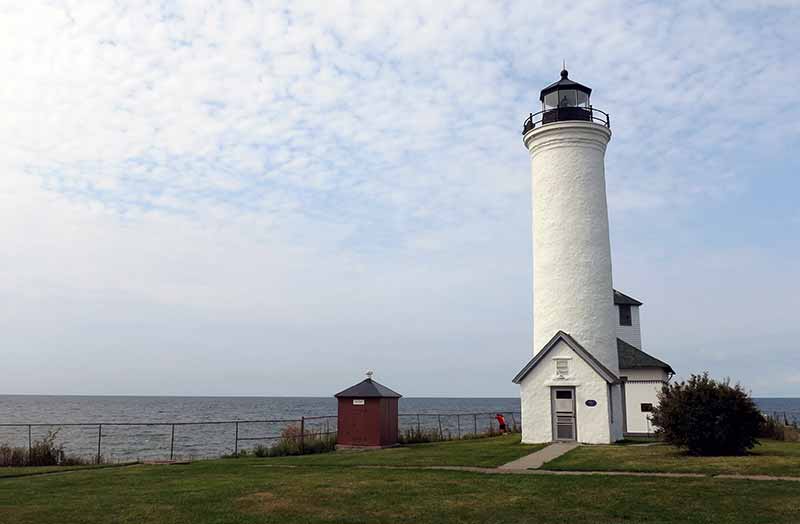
[642,375]
[576,384]
[588,369]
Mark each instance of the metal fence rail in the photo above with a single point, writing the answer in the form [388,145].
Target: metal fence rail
[99,441]
[457,425]
[308,427]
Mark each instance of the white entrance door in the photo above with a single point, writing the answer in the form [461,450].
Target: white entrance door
[563,403]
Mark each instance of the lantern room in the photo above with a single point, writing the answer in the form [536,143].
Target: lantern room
[367,415]
[565,100]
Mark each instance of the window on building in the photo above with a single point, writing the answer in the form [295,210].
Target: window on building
[647,407]
[562,367]
[625,318]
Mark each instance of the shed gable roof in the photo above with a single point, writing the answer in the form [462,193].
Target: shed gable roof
[631,357]
[595,364]
[368,388]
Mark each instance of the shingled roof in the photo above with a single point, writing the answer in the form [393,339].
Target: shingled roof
[631,357]
[368,388]
[622,298]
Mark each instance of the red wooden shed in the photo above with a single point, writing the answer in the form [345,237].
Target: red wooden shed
[367,415]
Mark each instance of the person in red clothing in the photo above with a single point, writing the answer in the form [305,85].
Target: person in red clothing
[501,421]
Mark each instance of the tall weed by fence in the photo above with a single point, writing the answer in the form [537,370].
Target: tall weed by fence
[780,426]
[44,452]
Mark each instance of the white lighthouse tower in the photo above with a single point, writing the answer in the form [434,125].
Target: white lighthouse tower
[570,390]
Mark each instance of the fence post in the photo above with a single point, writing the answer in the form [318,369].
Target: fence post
[513,422]
[236,443]
[302,434]
[475,422]
[458,424]
[172,443]
[418,426]
[99,438]
[439,420]
[30,445]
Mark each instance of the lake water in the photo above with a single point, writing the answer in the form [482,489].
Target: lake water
[125,442]
[211,440]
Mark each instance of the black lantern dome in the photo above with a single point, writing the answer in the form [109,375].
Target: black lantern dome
[565,100]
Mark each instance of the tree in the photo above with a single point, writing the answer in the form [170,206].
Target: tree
[707,417]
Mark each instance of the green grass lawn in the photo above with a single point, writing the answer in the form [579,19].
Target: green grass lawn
[484,452]
[38,470]
[770,458]
[232,491]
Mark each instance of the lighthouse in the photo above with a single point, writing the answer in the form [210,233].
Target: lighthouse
[570,390]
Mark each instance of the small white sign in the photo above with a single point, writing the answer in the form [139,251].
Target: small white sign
[358,402]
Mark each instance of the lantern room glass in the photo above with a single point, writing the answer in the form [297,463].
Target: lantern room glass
[565,98]
[550,101]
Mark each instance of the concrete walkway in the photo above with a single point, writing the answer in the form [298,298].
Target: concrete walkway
[500,471]
[537,459]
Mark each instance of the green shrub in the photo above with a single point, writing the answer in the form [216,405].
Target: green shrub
[707,417]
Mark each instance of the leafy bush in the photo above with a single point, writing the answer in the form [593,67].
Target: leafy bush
[707,417]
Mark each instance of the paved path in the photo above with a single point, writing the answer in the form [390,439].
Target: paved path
[500,471]
[537,459]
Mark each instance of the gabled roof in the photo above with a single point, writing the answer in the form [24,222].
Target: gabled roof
[622,298]
[631,357]
[368,388]
[577,348]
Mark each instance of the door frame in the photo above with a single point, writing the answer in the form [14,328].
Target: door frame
[554,418]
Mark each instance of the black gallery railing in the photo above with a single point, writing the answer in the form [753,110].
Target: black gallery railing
[563,114]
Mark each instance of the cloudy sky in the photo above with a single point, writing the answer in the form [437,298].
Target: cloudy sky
[255,198]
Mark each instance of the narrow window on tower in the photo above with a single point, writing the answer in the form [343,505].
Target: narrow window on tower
[625,315]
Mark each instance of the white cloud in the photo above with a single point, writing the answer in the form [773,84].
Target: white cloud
[321,162]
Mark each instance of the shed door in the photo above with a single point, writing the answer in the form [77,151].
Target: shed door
[358,424]
[563,402]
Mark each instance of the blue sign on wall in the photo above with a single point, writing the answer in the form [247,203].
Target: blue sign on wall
[591,403]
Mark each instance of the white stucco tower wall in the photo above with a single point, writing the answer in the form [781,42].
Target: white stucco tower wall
[572,287]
